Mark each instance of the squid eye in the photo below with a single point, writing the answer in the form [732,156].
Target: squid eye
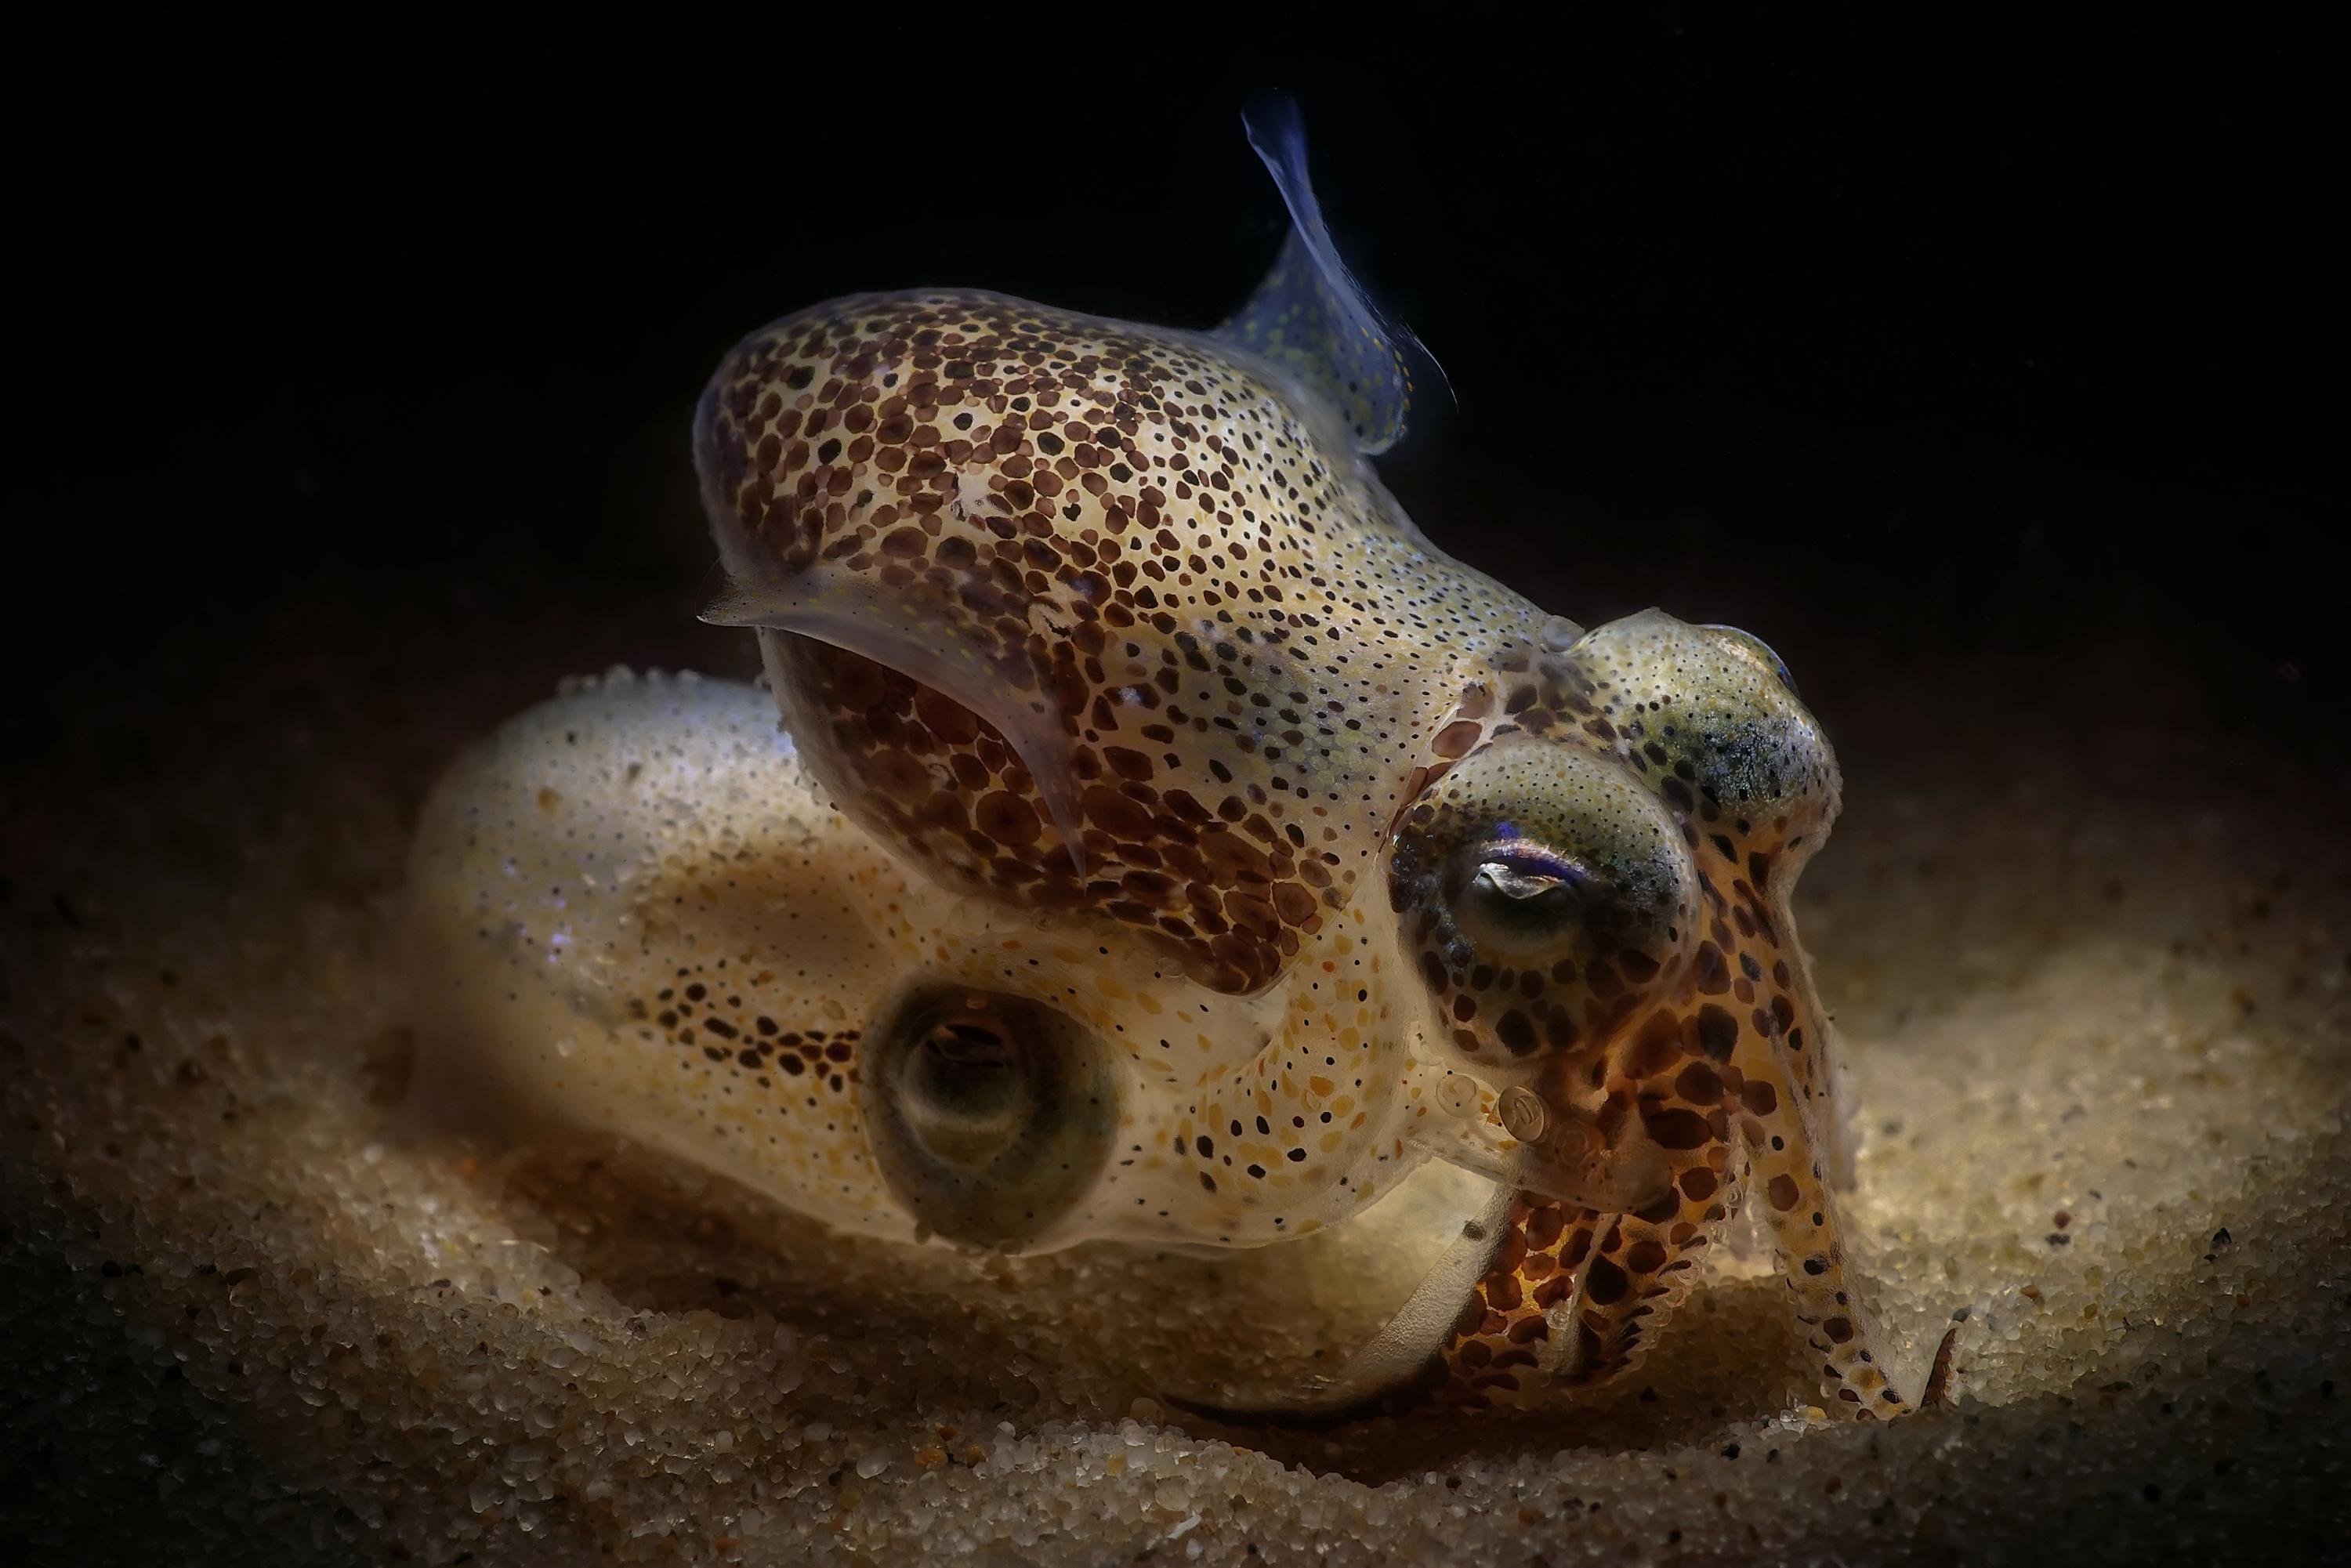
[1544,894]
[963,1093]
[990,1114]
[1518,897]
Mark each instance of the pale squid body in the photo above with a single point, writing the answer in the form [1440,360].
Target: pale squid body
[1164,842]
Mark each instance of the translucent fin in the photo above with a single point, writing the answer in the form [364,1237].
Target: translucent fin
[902,632]
[727,602]
[1310,315]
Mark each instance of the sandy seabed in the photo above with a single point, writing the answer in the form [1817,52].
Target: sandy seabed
[2092,971]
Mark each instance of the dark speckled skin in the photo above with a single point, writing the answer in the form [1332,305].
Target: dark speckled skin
[1172,845]
[1112,625]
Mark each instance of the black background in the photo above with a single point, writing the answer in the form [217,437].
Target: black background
[1893,346]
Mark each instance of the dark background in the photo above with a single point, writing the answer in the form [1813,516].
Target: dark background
[1893,347]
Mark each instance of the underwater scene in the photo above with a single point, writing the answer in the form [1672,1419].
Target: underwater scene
[1352,809]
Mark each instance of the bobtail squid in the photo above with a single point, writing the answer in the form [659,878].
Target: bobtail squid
[1164,842]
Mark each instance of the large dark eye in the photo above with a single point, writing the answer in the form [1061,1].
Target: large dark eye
[1519,897]
[990,1114]
[963,1091]
[1545,895]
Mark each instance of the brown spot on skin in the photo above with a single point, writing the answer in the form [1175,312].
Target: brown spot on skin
[1604,1283]
[1759,1098]
[1781,1192]
[1718,1032]
[1516,1032]
[1657,1048]
[1578,1246]
[1454,741]
[1115,814]
[1294,905]
[1662,1209]
[1128,764]
[1007,819]
[1677,1129]
[1700,1084]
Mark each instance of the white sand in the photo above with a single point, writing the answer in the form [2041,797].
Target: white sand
[2093,974]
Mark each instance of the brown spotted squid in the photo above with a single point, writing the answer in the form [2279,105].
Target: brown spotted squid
[1164,842]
